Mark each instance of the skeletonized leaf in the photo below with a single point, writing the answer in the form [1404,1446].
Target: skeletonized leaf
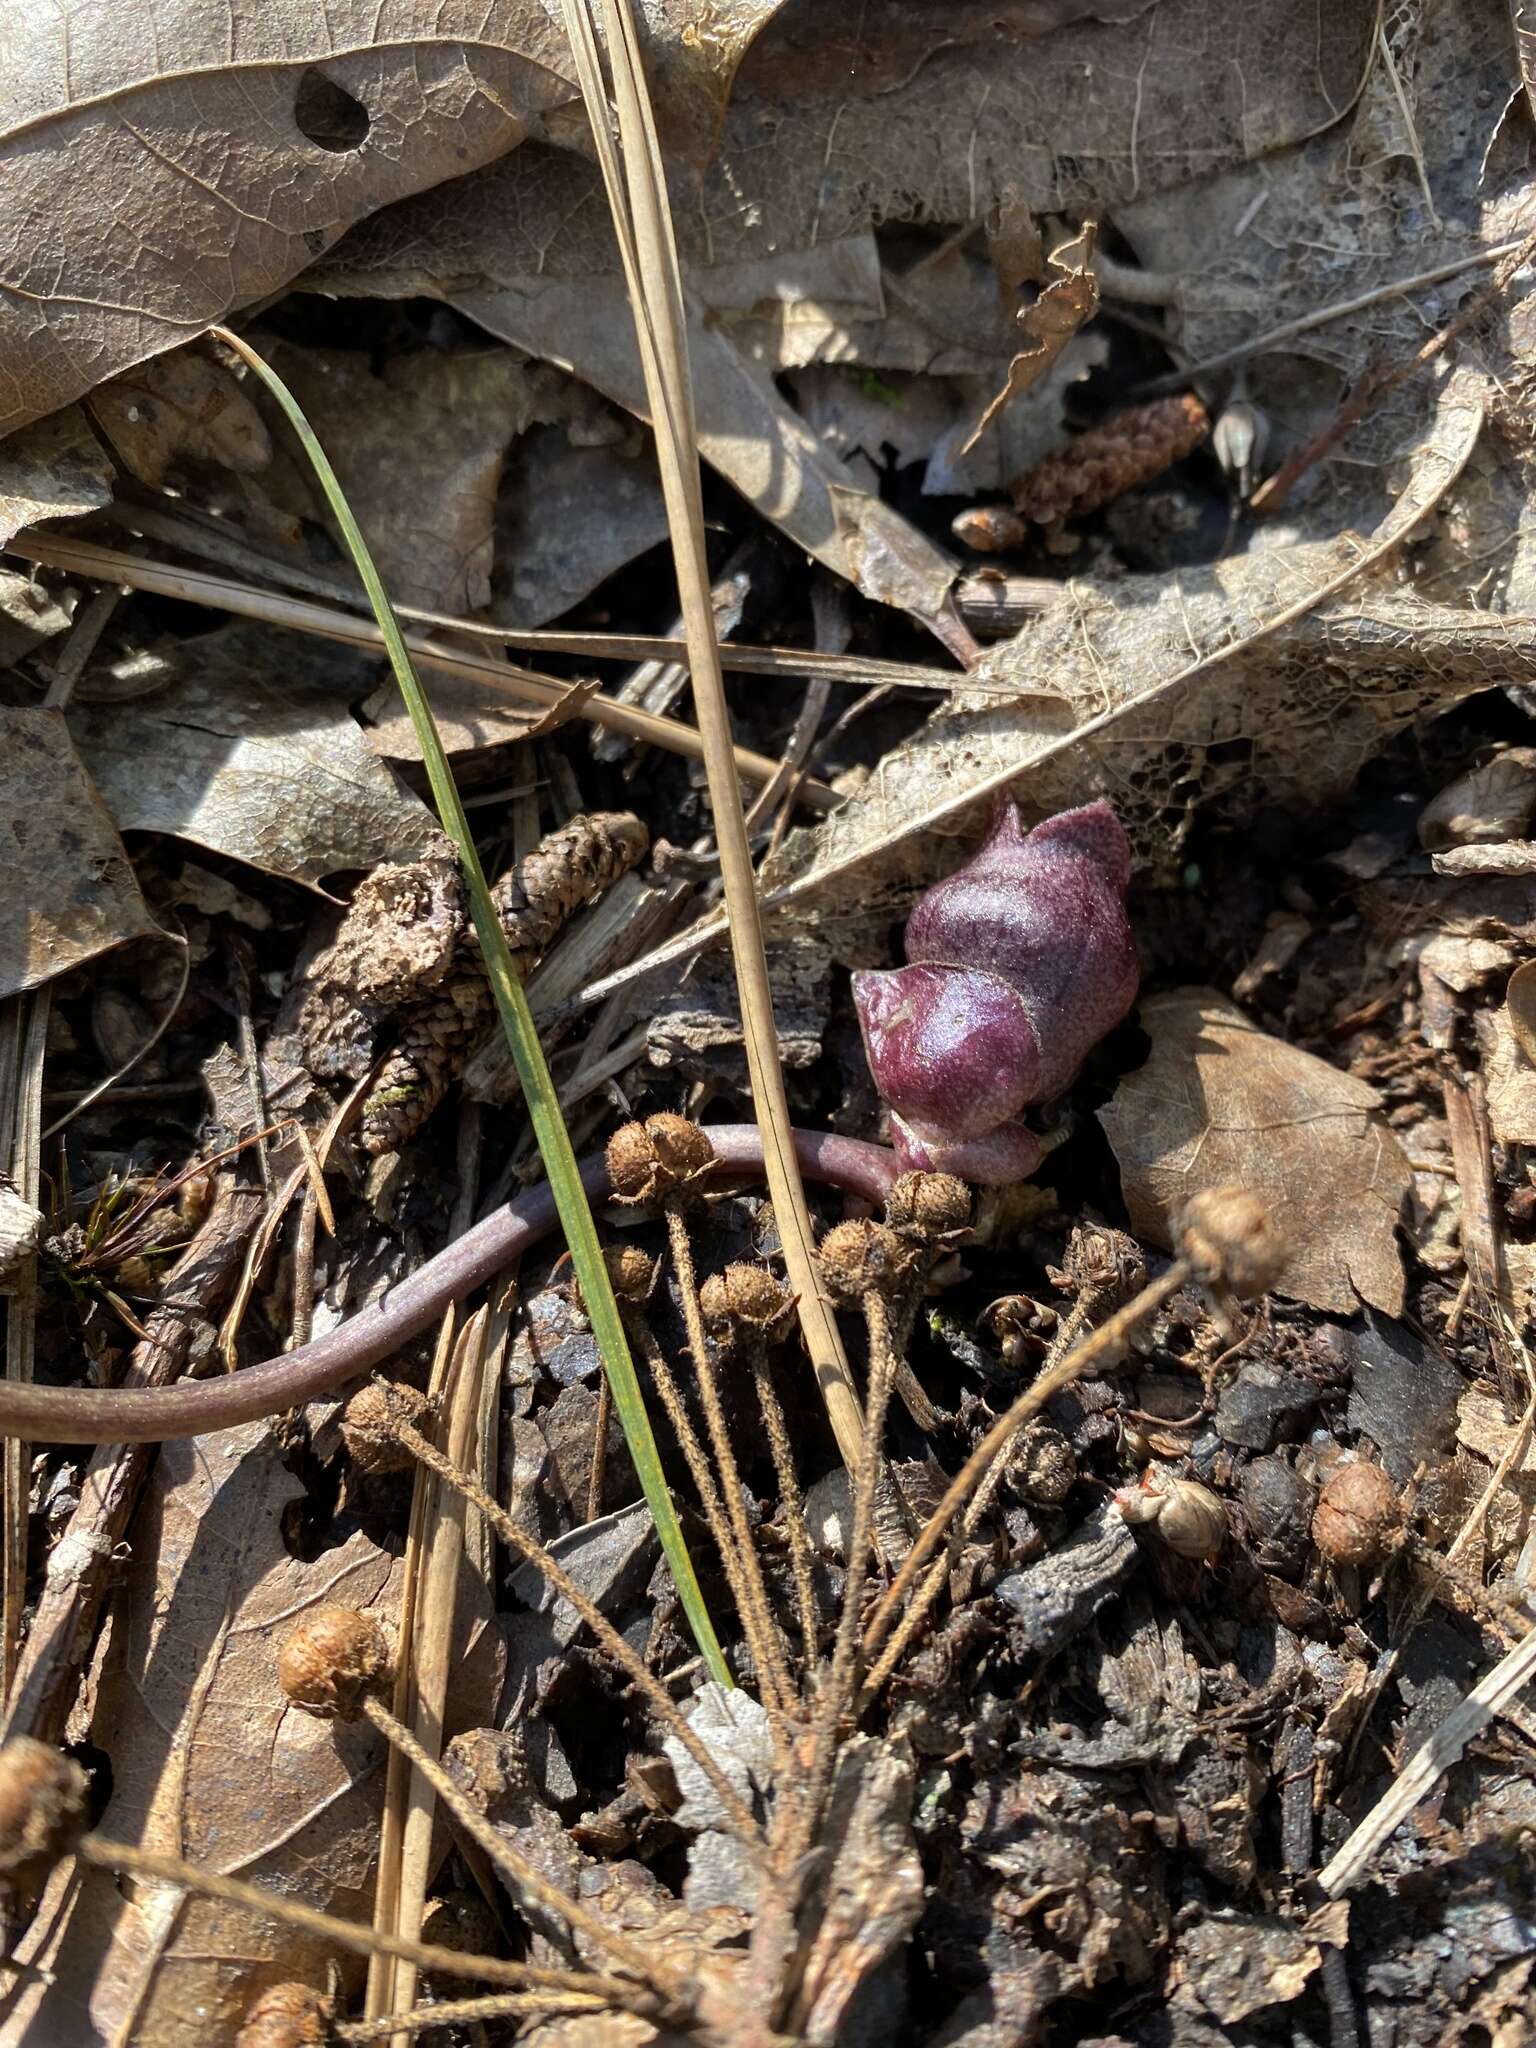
[70,887]
[253,752]
[1222,1104]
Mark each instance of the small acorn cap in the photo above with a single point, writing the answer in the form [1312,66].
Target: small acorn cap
[332,1660]
[861,1258]
[367,1425]
[933,1206]
[1359,1515]
[287,2016]
[664,1155]
[42,1810]
[746,1297]
[1227,1237]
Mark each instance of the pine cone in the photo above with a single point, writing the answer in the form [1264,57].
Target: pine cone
[1117,456]
[533,902]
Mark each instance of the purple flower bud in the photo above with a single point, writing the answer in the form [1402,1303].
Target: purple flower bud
[1020,962]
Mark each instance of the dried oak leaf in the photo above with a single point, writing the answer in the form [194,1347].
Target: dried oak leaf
[1220,1103]
[182,407]
[70,887]
[253,751]
[418,446]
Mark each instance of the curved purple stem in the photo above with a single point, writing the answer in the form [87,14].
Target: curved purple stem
[89,1415]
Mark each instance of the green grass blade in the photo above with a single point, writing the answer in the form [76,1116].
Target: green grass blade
[522,1037]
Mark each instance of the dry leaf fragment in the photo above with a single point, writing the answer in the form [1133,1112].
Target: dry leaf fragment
[184,407]
[70,887]
[255,753]
[55,469]
[1221,1103]
[1067,303]
[209,1761]
[419,447]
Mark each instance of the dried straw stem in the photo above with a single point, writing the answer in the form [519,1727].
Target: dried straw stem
[532,1552]
[789,1493]
[698,1464]
[461,2012]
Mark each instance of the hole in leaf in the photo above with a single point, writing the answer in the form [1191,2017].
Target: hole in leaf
[328,116]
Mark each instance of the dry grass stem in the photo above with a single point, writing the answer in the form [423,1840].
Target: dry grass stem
[545,693]
[362,1940]
[516,1539]
[637,198]
[801,1557]
[757,1621]
[698,1464]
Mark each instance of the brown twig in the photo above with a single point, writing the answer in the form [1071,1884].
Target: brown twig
[157,1414]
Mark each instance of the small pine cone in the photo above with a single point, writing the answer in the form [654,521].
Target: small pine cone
[565,870]
[533,902]
[1109,460]
[435,1038]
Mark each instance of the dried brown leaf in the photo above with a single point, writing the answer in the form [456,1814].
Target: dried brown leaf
[55,469]
[210,1761]
[418,446]
[1520,1007]
[70,887]
[1220,1103]
[254,752]
[934,110]
[182,407]
[163,165]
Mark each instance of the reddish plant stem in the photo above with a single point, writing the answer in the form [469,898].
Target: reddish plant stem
[87,1415]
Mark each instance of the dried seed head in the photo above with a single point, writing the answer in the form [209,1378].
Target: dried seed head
[42,1810]
[1193,1522]
[1101,1262]
[1188,1517]
[332,1660]
[935,1207]
[287,2016]
[863,1258]
[1359,1516]
[368,1426]
[664,1155]
[1226,1235]
[631,1273]
[1044,1466]
[745,1297]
